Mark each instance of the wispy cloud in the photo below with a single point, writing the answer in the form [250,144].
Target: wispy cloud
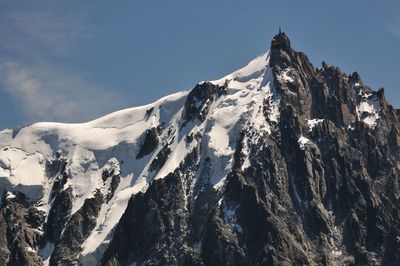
[394,28]
[35,43]
[45,94]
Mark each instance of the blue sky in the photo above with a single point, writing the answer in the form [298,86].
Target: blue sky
[73,61]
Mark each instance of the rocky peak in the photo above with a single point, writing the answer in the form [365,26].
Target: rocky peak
[277,163]
[280,41]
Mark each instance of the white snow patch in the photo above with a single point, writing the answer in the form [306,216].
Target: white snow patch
[363,93]
[30,249]
[10,195]
[219,140]
[246,162]
[218,185]
[303,141]
[337,253]
[313,122]
[368,111]
[24,170]
[284,75]
[176,157]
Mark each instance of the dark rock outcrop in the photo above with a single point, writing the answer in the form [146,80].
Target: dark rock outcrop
[56,170]
[164,207]
[342,177]
[59,214]
[115,177]
[149,143]
[78,228]
[20,231]
[199,100]
[160,158]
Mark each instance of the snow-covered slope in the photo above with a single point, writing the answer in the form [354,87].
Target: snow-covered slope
[115,140]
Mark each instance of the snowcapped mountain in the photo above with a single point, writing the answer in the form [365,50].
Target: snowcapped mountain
[277,163]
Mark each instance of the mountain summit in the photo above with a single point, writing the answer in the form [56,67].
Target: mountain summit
[280,41]
[277,163]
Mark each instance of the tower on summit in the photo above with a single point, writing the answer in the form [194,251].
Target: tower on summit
[280,40]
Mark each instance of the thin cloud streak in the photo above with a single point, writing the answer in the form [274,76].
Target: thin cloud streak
[45,94]
[34,41]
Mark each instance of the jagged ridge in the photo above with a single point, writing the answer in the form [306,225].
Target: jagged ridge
[277,163]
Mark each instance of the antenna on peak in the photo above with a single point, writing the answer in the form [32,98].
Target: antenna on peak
[280,29]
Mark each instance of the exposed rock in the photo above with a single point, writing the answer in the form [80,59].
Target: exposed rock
[56,170]
[59,214]
[149,143]
[20,231]
[78,228]
[160,159]
[162,208]
[199,100]
[115,177]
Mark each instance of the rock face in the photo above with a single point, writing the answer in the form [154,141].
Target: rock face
[20,227]
[149,144]
[199,100]
[278,163]
[78,228]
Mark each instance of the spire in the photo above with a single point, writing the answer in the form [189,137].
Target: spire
[280,40]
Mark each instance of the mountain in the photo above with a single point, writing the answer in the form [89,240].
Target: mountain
[278,163]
